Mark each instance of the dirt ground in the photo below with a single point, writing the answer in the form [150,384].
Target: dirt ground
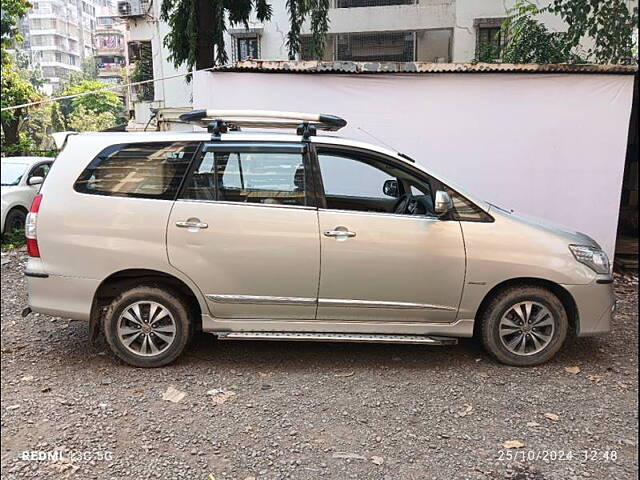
[270,410]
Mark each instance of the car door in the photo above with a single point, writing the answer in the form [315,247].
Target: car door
[30,191]
[381,266]
[245,229]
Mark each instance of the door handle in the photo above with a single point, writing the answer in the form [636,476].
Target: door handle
[191,224]
[340,232]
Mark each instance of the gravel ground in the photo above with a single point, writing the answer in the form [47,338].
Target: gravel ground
[313,410]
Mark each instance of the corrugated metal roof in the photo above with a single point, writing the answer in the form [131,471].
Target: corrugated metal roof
[289,66]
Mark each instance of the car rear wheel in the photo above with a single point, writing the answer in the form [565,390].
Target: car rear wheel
[14,220]
[524,326]
[147,326]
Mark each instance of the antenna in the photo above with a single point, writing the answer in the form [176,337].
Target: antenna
[406,157]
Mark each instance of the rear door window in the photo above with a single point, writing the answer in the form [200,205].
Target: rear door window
[145,170]
[274,178]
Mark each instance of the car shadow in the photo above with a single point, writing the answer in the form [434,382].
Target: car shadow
[207,350]
[330,355]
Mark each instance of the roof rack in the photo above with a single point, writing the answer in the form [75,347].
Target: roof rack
[220,121]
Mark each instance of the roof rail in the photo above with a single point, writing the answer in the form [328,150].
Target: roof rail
[236,119]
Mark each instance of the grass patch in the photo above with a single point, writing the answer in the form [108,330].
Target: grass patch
[13,240]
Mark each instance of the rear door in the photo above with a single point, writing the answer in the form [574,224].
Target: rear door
[245,230]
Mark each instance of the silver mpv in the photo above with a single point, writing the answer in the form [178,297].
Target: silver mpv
[247,235]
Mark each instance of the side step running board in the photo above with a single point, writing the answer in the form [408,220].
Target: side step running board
[337,337]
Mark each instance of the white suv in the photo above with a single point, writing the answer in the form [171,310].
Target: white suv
[151,236]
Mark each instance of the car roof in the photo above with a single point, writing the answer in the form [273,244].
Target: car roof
[252,136]
[25,160]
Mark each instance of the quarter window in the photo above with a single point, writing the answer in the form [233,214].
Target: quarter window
[248,177]
[147,170]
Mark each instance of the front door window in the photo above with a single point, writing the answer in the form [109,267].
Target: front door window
[354,181]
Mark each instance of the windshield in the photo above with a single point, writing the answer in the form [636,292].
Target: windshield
[12,173]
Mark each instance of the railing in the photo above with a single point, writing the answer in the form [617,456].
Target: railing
[371,3]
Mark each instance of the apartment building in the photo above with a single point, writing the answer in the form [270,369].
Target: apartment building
[59,37]
[110,43]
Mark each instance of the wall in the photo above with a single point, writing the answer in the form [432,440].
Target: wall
[175,92]
[549,145]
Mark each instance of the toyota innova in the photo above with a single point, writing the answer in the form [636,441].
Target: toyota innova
[152,236]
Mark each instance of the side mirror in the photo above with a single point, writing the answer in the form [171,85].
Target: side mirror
[390,188]
[443,203]
[33,181]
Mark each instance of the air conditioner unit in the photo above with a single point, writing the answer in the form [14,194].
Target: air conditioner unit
[130,8]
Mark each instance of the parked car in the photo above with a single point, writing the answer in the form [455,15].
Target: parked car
[21,179]
[251,235]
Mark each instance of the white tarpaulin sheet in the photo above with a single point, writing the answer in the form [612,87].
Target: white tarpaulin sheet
[550,146]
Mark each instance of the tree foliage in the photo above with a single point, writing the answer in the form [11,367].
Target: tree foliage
[530,41]
[197,27]
[12,12]
[38,127]
[299,10]
[608,24]
[106,101]
[15,89]
[83,120]
[58,123]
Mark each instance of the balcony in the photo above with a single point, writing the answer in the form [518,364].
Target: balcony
[371,3]
[133,8]
[391,15]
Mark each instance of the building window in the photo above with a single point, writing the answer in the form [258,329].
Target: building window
[372,3]
[489,39]
[306,48]
[105,21]
[376,47]
[246,47]
[141,58]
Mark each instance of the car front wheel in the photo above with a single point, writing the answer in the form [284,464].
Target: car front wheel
[524,326]
[147,326]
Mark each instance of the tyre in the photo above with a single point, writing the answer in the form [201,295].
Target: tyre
[147,326]
[524,326]
[14,220]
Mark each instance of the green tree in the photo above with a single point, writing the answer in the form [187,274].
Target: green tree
[196,36]
[37,127]
[105,101]
[608,23]
[57,119]
[83,120]
[15,90]
[12,12]
[530,41]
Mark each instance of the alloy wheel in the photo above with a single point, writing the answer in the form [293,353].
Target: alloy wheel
[526,328]
[146,328]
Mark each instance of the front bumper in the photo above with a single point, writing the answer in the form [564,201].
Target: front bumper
[596,303]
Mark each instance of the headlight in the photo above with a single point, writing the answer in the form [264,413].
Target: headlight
[592,257]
